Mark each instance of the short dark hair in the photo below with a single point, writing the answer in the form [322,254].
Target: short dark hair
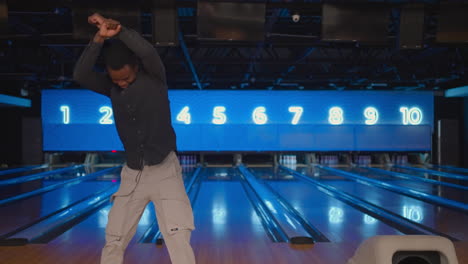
[116,54]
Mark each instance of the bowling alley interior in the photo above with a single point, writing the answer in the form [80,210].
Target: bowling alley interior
[307,131]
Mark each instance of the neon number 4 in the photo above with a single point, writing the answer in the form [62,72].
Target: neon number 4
[297,110]
[107,118]
[184,116]
[219,116]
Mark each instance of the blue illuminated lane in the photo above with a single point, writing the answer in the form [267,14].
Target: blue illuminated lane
[331,216]
[223,212]
[433,189]
[444,220]
[22,173]
[457,180]
[20,188]
[26,211]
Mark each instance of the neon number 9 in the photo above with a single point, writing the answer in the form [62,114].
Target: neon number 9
[184,115]
[106,119]
[259,117]
[66,113]
[297,110]
[372,115]
[335,116]
[219,117]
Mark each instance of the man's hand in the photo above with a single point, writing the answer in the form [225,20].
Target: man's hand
[108,28]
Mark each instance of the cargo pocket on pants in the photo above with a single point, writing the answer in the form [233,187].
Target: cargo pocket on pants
[128,182]
[178,216]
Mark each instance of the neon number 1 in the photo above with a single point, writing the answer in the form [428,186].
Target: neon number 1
[66,113]
[219,117]
[184,116]
[106,119]
[372,115]
[297,110]
[411,116]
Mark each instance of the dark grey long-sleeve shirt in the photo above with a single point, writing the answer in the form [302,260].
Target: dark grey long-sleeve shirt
[141,111]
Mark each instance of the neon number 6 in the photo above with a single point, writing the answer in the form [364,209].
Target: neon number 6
[259,117]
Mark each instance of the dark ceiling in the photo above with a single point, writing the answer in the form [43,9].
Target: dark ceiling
[39,52]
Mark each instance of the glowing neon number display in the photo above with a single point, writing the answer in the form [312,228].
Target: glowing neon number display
[297,110]
[66,113]
[184,115]
[372,115]
[335,116]
[106,119]
[259,117]
[412,116]
[219,116]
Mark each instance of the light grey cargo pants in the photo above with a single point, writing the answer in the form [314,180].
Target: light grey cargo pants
[163,185]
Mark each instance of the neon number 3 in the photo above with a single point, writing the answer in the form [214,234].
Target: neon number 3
[297,110]
[259,117]
[219,115]
[335,116]
[184,116]
[66,113]
[106,119]
[411,116]
[372,115]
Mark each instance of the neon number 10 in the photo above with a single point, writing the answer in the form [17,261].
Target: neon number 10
[372,115]
[66,113]
[412,116]
[106,119]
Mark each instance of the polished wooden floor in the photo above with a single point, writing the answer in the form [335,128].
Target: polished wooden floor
[228,229]
[206,253]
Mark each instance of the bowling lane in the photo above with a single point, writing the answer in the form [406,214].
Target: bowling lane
[92,229]
[429,188]
[444,220]
[338,221]
[449,169]
[25,211]
[428,175]
[19,188]
[24,173]
[223,213]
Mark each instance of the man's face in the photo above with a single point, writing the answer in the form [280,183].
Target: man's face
[123,77]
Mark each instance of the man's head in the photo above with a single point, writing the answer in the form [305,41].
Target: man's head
[121,63]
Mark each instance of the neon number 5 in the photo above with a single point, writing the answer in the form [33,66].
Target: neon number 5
[297,110]
[259,117]
[66,113]
[372,115]
[107,118]
[184,115]
[335,116]
[219,117]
